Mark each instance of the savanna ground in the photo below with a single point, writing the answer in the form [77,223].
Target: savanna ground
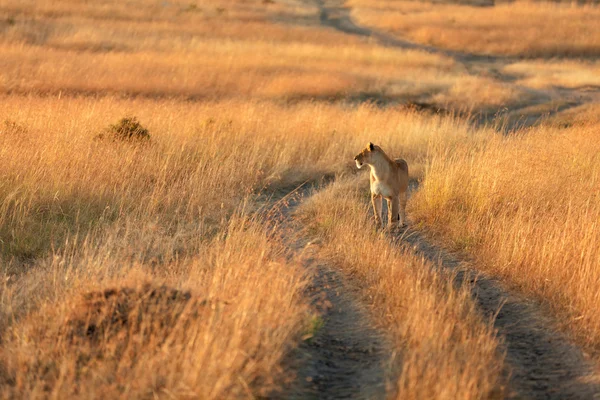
[159,267]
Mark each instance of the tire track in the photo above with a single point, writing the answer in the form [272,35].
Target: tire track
[542,363]
[346,357]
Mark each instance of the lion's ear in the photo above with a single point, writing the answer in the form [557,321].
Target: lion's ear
[371,146]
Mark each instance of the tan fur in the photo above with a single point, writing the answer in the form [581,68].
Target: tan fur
[389,180]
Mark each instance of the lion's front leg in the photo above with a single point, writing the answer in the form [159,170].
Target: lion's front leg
[377,205]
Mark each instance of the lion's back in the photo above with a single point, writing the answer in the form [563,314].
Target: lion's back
[402,164]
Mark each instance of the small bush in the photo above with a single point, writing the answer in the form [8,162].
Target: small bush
[127,129]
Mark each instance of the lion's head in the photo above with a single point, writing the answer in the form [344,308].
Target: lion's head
[365,156]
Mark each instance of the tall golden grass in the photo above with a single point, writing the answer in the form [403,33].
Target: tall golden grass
[444,349]
[202,161]
[98,238]
[82,216]
[218,325]
[526,206]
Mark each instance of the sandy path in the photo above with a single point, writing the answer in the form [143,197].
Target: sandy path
[346,357]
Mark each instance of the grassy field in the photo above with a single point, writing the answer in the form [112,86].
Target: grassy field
[152,268]
[87,214]
[526,208]
[200,53]
[528,29]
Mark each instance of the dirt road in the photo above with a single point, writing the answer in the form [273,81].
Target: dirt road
[346,359]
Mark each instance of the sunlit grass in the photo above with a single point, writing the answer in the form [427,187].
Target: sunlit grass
[86,213]
[526,207]
[524,28]
[241,103]
[445,350]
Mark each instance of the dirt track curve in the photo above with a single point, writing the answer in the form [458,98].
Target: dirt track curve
[333,14]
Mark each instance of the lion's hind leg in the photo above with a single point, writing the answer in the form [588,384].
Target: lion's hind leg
[393,212]
[402,213]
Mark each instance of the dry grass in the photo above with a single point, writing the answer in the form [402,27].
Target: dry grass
[527,208]
[99,237]
[445,350]
[475,93]
[582,115]
[122,332]
[49,48]
[566,74]
[202,161]
[529,29]
[85,213]
[68,48]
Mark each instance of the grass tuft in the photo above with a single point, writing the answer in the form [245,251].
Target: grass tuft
[10,127]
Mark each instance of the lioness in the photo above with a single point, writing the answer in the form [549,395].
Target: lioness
[389,179]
